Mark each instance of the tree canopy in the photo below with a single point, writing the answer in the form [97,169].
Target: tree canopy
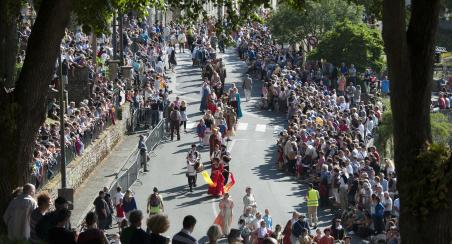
[351,43]
[290,25]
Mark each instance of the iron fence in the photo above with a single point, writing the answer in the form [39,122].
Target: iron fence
[143,119]
[128,174]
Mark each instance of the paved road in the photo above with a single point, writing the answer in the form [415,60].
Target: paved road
[253,160]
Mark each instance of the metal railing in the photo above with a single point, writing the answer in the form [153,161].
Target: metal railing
[143,119]
[129,172]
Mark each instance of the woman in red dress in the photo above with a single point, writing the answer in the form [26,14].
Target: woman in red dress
[217,177]
[216,165]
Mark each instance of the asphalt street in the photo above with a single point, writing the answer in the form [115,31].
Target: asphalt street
[253,159]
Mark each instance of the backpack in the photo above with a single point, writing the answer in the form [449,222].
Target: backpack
[173,115]
[154,201]
[297,228]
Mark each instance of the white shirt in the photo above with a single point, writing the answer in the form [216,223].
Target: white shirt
[17,217]
[342,183]
[256,224]
[191,168]
[169,50]
[396,205]
[349,168]
[361,130]
[387,203]
[118,197]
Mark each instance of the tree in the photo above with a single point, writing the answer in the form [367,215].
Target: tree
[9,13]
[285,25]
[423,182]
[23,110]
[351,43]
[292,26]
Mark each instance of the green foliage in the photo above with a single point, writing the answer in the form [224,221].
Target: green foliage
[292,25]
[374,8]
[96,15]
[285,25]
[430,191]
[441,128]
[385,128]
[256,18]
[352,43]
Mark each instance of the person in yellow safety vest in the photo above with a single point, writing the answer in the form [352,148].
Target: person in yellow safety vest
[312,199]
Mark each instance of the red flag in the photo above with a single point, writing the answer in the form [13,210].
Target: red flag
[229,185]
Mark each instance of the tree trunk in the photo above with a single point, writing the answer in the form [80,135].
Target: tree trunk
[23,111]
[410,62]
[8,42]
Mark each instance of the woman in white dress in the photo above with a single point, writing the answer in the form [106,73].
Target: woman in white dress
[183,115]
[224,218]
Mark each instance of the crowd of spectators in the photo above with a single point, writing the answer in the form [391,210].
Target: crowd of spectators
[332,115]
[146,51]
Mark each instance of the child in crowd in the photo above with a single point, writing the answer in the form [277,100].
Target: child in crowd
[201,131]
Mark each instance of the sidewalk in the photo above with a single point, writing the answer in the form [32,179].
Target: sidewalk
[103,175]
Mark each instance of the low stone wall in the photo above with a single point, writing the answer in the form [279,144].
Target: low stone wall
[80,168]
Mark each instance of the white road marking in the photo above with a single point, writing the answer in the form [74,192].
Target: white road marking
[260,127]
[242,126]
[277,129]
[190,126]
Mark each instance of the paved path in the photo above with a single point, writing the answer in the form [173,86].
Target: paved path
[103,175]
[253,160]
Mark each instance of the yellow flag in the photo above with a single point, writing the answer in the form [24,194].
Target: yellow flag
[206,177]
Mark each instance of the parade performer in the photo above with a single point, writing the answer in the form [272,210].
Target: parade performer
[217,165]
[231,120]
[232,97]
[205,94]
[215,139]
[239,110]
[222,126]
[226,157]
[224,218]
[211,103]
[216,152]
[217,188]
[193,160]
[201,131]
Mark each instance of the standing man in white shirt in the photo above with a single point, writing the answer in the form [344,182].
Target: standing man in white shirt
[17,215]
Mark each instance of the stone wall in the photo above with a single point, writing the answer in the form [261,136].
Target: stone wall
[80,168]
